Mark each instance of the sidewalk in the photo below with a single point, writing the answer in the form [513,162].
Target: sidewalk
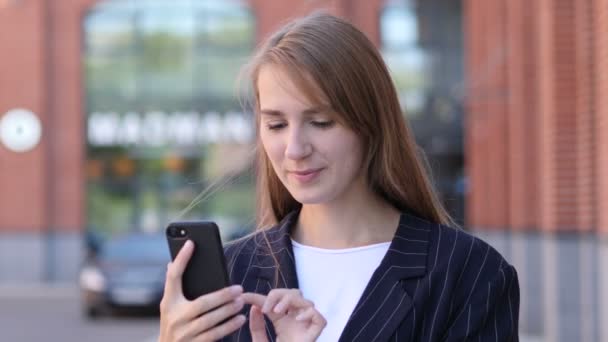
[59,291]
[35,291]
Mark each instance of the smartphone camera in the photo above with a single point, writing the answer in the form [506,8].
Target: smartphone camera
[177,232]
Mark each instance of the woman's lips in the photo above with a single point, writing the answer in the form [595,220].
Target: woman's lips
[306,176]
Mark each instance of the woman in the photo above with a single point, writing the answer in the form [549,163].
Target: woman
[359,248]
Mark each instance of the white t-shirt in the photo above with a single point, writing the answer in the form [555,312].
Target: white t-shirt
[334,279]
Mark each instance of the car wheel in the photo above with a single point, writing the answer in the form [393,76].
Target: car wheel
[92,312]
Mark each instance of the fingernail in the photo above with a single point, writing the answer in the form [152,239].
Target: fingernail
[236,289]
[299,317]
[189,244]
[277,309]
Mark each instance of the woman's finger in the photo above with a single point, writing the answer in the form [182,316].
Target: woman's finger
[306,314]
[290,301]
[283,304]
[213,300]
[254,299]
[317,322]
[211,319]
[276,295]
[257,325]
[318,319]
[222,330]
[175,270]
[273,297]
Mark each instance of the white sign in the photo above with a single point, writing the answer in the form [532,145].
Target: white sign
[20,130]
[155,129]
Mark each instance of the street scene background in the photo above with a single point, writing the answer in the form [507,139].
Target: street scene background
[120,116]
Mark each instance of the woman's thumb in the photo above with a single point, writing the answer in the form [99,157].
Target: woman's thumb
[175,270]
[257,326]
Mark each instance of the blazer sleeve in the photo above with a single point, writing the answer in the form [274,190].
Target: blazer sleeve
[492,313]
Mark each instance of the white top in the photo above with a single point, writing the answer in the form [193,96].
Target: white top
[334,279]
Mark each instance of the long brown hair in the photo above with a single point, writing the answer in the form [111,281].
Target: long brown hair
[326,53]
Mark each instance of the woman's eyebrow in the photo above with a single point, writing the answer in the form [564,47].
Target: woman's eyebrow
[308,111]
[313,110]
[271,112]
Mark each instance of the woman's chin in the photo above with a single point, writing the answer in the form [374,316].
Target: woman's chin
[310,197]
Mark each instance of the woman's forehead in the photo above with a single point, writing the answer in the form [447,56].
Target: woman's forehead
[277,87]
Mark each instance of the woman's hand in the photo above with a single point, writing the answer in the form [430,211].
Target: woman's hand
[293,317]
[197,320]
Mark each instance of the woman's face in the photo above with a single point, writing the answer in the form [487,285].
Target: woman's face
[316,158]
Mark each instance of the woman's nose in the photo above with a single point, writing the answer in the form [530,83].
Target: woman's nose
[298,145]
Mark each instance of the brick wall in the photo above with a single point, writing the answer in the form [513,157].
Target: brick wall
[22,181]
[599,9]
[535,146]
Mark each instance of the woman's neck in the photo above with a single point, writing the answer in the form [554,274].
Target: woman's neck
[352,222]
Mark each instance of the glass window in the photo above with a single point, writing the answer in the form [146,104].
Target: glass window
[407,60]
[162,113]
[421,42]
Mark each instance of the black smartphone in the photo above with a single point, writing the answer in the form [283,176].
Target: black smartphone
[206,270]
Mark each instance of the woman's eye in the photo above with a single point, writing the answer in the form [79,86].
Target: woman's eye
[322,124]
[275,126]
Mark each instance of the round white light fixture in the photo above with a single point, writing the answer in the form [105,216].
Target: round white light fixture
[20,130]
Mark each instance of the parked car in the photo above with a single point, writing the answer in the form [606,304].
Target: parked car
[125,272]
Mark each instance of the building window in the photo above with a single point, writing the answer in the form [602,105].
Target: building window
[421,42]
[406,58]
[162,114]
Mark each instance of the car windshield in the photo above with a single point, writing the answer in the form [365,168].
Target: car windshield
[141,248]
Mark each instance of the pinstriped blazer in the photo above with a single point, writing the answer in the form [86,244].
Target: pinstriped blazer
[435,283]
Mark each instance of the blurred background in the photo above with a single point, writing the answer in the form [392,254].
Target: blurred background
[115,115]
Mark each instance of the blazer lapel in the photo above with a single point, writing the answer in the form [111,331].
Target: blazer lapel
[385,301]
[274,249]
